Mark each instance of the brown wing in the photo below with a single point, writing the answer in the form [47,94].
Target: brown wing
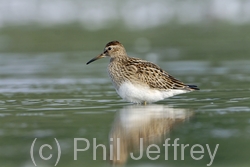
[153,75]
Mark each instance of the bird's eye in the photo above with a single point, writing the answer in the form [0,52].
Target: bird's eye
[109,48]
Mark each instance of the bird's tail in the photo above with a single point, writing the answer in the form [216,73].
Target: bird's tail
[193,87]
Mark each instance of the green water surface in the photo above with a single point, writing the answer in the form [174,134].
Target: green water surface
[47,95]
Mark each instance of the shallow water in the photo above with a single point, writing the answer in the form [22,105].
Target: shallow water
[55,95]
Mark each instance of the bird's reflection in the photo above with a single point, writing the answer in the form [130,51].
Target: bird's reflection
[150,122]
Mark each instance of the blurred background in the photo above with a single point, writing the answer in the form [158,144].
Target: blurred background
[79,25]
[47,91]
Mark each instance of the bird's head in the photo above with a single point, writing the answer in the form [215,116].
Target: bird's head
[112,49]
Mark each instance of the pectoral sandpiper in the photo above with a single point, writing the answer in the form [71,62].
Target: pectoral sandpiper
[139,81]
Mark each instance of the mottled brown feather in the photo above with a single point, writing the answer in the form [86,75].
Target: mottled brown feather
[141,71]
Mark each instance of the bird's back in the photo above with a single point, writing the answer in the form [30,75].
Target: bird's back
[142,72]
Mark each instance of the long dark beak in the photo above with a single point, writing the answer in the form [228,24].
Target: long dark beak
[96,58]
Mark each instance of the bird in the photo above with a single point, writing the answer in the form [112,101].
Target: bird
[139,81]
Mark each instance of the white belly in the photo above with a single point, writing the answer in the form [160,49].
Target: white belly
[136,93]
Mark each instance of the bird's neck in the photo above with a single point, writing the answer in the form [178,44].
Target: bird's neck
[119,58]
